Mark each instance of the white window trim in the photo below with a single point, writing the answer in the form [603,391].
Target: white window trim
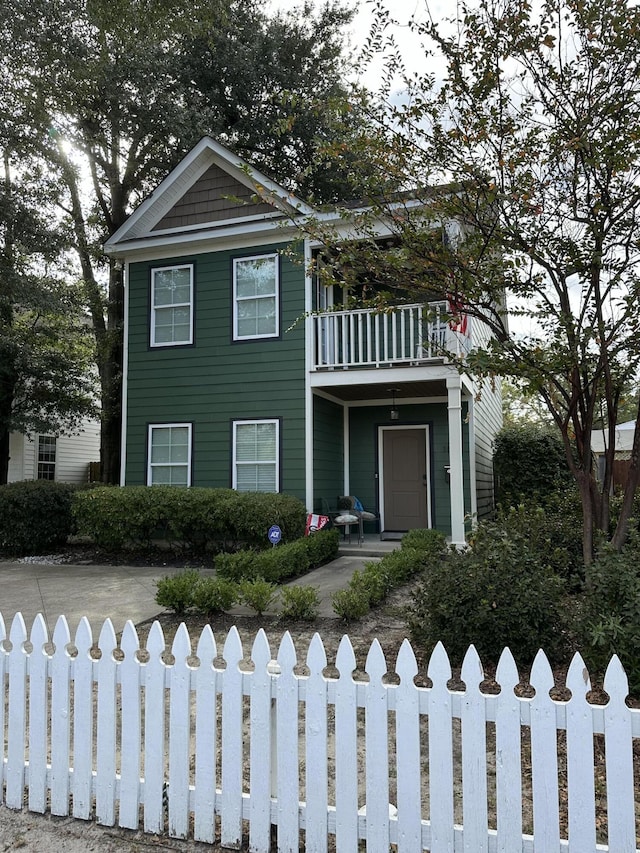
[39,461]
[150,429]
[276,332]
[236,424]
[153,341]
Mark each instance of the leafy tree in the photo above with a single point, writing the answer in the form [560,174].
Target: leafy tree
[115,93]
[46,382]
[532,136]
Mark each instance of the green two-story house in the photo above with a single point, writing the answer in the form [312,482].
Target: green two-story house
[242,371]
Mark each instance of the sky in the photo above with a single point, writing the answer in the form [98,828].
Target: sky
[401,10]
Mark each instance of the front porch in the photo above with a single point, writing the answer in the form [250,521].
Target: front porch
[406,455]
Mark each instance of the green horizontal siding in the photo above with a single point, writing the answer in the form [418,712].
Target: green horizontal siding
[328,451]
[216,380]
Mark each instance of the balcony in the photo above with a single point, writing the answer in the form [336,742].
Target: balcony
[366,338]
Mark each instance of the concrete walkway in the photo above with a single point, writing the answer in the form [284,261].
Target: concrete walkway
[126,592]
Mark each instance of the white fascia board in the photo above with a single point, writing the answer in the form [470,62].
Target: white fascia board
[209,240]
[206,153]
[428,373]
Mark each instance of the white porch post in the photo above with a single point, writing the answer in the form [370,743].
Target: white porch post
[456,483]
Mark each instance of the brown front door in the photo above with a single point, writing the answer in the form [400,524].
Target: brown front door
[404,478]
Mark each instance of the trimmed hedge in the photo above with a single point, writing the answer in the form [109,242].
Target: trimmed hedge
[283,561]
[420,549]
[196,519]
[35,516]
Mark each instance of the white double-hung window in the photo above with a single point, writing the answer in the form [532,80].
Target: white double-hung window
[256,463]
[169,455]
[256,297]
[172,306]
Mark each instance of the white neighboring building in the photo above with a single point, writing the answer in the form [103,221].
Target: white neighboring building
[64,458]
[624,445]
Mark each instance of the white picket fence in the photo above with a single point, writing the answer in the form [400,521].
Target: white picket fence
[214,746]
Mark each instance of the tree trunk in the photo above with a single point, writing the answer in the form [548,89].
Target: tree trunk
[633,478]
[112,368]
[584,486]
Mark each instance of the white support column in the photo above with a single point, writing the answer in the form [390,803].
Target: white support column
[308,393]
[456,480]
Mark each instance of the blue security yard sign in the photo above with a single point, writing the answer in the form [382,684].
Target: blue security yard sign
[275,534]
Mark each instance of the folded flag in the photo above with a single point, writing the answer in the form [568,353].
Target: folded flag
[315,522]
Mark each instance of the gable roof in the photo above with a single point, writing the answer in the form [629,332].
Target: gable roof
[210,190]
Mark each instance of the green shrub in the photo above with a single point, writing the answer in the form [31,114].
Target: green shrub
[322,547]
[237,566]
[257,594]
[529,462]
[35,516]
[214,595]
[373,581]
[431,542]
[496,594]
[193,519]
[175,592]
[299,602]
[552,531]
[116,518]
[282,562]
[351,603]
[610,622]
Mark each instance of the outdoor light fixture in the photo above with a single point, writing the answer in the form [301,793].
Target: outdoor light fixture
[394,414]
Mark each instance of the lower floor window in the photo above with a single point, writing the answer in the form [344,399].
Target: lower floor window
[255,456]
[169,455]
[46,457]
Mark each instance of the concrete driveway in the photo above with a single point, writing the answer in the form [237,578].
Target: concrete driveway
[121,592]
[97,592]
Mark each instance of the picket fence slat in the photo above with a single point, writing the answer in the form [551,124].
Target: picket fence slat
[106,728]
[508,757]
[169,737]
[580,760]
[83,728]
[131,728]
[60,719]
[260,768]
[3,682]
[346,757]
[287,757]
[474,752]
[376,744]
[17,713]
[179,742]
[316,757]
[618,747]
[409,822]
[544,757]
[38,718]
[154,731]
[440,753]
[232,741]
[206,731]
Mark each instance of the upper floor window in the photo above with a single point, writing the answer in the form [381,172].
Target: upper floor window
[169,455]
[255,456]
[172,306]
[46,457]
[256,297]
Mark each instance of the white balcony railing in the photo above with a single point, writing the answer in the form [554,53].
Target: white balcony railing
[408,334]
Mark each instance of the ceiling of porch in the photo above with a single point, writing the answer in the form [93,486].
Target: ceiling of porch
[382,391]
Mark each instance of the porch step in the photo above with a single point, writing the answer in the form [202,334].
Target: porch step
[371,547]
